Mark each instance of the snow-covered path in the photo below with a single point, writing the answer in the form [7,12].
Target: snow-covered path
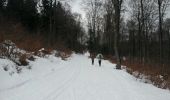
[77,79]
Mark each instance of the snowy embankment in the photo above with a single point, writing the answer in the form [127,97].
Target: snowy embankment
[51,78]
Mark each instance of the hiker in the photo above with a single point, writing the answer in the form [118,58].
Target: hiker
[92,58]
[99,57]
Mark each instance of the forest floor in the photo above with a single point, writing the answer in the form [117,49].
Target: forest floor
[52,78]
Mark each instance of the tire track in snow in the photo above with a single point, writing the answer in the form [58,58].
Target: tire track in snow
[15,86]
[65,85]
[31,79]
[36,82]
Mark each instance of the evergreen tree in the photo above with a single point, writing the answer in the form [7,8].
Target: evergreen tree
[30,17]
[45,14]
[2,5]
[60,19]
[15,8]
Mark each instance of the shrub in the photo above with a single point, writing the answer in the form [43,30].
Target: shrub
[23,60]
[31,58]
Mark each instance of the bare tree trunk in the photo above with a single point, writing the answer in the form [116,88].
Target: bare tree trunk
[117,6]
[143,33]
[139,36]
[160,31]
[54,23]
[168,44]
[50,25]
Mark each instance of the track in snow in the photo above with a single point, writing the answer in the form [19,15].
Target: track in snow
[77,79]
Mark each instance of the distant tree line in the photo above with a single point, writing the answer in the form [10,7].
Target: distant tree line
[48,18]
[148,32]
[143,37]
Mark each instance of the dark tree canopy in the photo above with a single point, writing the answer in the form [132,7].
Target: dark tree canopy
[49,19]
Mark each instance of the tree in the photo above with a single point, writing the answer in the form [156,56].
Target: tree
[45,14]
[93,10]
[144,13]
[131,24]
[15,8]
[166,28]
[46,19]
[117,7]
[24,11]
[1,10]
[162,6]
[59,24]
[30,16]
[109,25]
[2,5]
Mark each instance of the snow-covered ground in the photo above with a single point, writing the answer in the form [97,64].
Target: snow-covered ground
[75,79]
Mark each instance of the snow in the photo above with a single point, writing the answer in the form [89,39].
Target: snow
[75,79]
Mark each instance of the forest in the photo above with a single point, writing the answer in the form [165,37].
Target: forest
[131,32]
[38,24]
[137,32]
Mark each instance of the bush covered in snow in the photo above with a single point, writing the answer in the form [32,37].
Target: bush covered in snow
[46,52]
[8,50]
[21,58]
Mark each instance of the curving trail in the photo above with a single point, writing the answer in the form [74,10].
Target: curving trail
[77,79]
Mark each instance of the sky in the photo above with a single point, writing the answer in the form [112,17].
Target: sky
[168,12]
[76,7]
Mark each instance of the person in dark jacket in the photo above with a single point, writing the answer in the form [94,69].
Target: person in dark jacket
[92,58]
